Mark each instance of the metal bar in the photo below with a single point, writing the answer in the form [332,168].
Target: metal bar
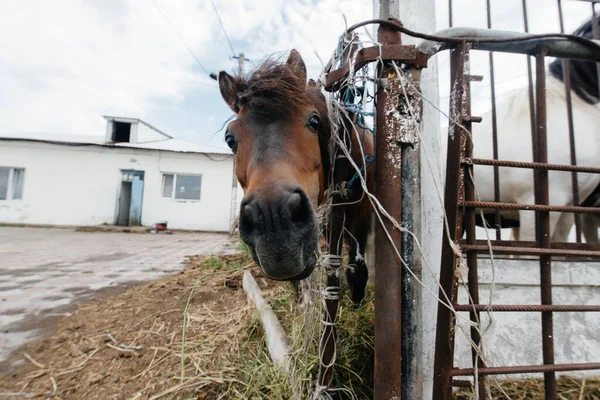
[543,224]
[531,92]
[444,336]
[497,222]
[461,383]
[469,224]
[411,211]
[388,296]
[596,34]
[533,244]
[556,47]
[523,369]
[532,165]
[573,152]
[526,308]
[530,207]
[530,250]
[369,54]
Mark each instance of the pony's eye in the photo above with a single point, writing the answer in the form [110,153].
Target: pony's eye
[231,142]
[313,123]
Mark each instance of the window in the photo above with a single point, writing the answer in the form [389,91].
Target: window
[182,187]
[167,185]
[121,132]
[11,183]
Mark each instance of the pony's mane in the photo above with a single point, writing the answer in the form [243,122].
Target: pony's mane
[583,74]
[272,89]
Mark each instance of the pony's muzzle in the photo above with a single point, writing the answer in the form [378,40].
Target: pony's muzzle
[279,225]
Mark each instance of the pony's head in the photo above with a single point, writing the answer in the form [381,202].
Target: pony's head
[584,74]
[279,139]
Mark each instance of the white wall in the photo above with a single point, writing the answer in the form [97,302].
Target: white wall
[515,338]
[79,185]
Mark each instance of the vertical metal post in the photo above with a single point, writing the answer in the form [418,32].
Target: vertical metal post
[388,315]
[446,320]
[567,81]
[543,225]
[469,223]
[532,117]
[410,109]
[497,223]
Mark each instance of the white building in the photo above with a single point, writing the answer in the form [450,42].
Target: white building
[134,175]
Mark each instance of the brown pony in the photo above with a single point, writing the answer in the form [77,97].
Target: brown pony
[281,139]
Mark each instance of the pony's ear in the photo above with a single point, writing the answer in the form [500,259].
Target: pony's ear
[229,89]
[297,66]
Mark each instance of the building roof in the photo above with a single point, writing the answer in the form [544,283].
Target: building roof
[131,120]
[174,145]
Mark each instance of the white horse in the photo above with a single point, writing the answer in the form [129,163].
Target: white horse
[514,144]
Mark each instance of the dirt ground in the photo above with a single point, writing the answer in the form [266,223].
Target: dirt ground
[128,346]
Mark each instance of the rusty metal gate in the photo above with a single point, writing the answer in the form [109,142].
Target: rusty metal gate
[462,207]
[396,294]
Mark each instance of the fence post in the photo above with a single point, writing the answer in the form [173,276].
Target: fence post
[427,210]
[388,289]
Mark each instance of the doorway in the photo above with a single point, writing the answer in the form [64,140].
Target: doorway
[131,198]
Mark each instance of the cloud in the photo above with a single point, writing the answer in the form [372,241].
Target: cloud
[65,63]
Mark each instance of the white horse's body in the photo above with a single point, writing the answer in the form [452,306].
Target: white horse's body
[514,143]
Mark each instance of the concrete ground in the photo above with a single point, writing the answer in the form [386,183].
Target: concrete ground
[42,271]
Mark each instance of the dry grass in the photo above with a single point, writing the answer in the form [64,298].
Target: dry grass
[129,346]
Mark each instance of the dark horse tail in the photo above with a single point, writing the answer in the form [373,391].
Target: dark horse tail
[584,74]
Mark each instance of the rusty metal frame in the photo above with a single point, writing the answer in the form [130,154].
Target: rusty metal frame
[460,206]
[396,294]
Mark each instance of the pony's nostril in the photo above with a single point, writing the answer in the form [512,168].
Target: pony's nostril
[250,221]
[294,202]
[299,208]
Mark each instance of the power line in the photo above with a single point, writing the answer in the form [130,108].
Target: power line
[180,38]
[223,27]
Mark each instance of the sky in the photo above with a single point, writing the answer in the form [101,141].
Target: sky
[65,63]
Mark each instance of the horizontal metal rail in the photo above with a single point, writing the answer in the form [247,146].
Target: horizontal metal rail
[461,383]
[532,165]
[529,207]
[527,307]
[523,369]
[533,244]
[530,250]
[556,47]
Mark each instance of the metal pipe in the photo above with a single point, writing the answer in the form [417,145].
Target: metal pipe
[526,308]
[411,291]
[494,127]
[388,296]
[530,207]
[543,224]
[563,48]
[469,224]
[523,369]
[532,165]
[444,335]
[573,152]
[483,248]
[531,93]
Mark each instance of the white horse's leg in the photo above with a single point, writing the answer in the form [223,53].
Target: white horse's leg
[563,227]
[526,224]
[590,224]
